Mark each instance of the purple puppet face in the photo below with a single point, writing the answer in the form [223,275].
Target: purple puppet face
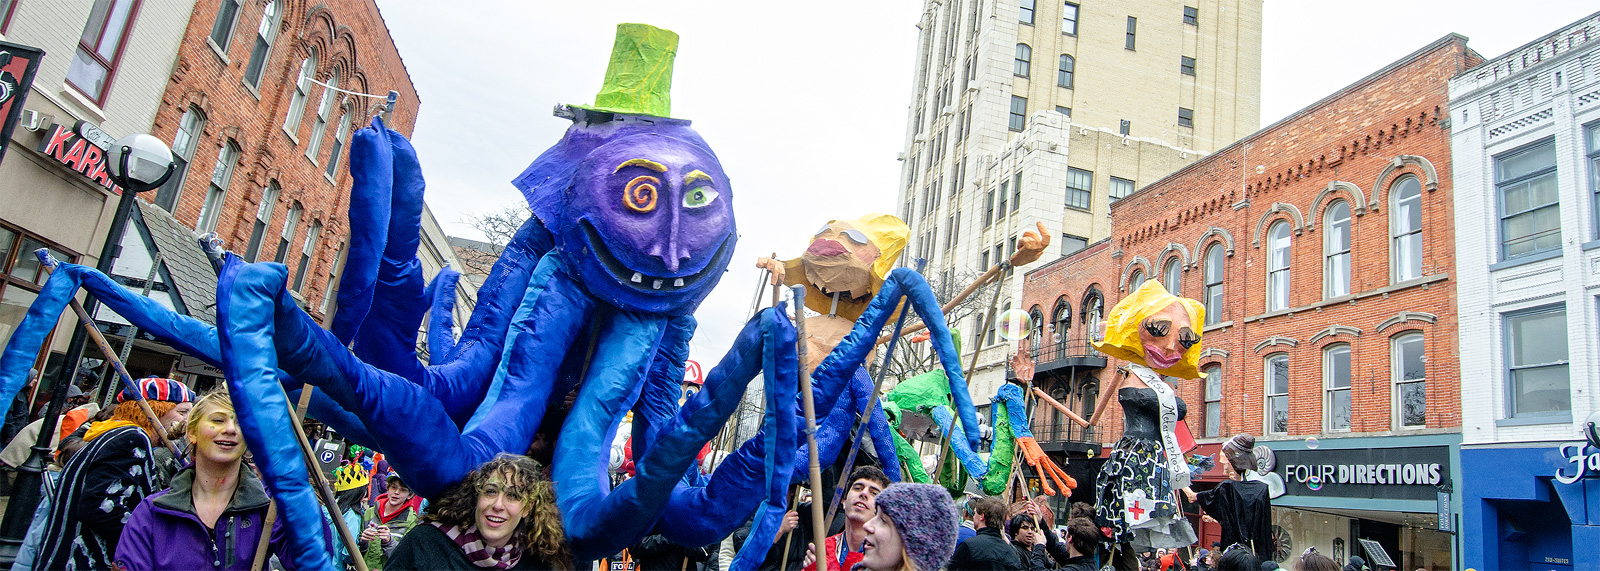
[654,217]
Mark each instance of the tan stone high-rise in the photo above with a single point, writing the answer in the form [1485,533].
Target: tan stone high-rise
[1045,110]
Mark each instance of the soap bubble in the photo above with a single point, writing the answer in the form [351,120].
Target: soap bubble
[1314,483]
[1015,324]
[1311,443]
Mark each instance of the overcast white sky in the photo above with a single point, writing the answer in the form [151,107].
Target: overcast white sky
[805,103]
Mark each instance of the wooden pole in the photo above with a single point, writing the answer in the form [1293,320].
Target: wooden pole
[819,527]
[982,280]
[272,508]
[1060,407]
[977,344]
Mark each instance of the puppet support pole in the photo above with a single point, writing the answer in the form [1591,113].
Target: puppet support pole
[1060,407]
[819,527]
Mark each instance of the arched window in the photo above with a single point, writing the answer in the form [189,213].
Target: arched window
[308,252]
[269,202]
[1278,266]
[1213,292]
[339,137]
[222,26]
[265,33]
[1213,395]
[1336,250]
[1406,225]
[1276,385]
[290,225]
[1135,280]
[1035,329]
[1093,308]
[302,91]
[1062,322]
[319,125]
[1410,377]
[1024,59]
[1064,74]
[1172,276]
[1336,386]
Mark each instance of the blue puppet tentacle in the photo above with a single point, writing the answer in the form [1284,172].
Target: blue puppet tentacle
[387,338]
[245,299]
[1016,411]
[882,443]
[781,424]
[659,399]
[853,350]
[441,315]
[958,446]
[371,186]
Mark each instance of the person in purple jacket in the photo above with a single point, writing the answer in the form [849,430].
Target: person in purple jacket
[211,516]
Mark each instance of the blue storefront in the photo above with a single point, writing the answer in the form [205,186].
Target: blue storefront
[1531,509]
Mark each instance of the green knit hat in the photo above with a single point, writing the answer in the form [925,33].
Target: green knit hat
[639,76]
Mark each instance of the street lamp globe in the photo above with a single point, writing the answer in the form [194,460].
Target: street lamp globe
[140,162]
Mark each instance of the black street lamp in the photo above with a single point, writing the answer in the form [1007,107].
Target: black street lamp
[137,163]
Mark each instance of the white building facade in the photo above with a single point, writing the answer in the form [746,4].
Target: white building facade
[1525,138]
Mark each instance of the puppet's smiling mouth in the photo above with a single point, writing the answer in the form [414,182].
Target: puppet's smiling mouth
[640,280]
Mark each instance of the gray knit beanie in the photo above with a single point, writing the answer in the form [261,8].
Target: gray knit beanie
[927,521]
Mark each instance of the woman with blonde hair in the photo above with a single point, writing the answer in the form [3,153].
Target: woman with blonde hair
[211,517]
[113,473]
[503,515]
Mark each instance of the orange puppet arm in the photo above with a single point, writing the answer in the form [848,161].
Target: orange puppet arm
[1048,470]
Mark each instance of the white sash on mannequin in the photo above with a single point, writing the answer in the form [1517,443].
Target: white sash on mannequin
[1172,456]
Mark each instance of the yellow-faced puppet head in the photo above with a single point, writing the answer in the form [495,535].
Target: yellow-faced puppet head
[1156,329]
[854,256]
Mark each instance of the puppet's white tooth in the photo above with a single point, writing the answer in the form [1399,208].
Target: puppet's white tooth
[677,282]
[656,285]
[638,278]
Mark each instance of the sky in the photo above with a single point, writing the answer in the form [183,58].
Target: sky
[806,103]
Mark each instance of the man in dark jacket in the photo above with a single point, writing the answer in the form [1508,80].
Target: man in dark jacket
[1083,541]
[986,551]
[1029,543]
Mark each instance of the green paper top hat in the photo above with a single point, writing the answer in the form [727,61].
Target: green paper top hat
[639,75]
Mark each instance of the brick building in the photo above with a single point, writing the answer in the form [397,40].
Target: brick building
[248,101]
[1322,247]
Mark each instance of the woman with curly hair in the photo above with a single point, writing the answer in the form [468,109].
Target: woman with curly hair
[501,516]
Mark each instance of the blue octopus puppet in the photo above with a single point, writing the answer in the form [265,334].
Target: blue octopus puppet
[632,227]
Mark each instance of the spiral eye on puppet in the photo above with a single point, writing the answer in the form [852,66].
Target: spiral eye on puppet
[699,197]
[640,193]
[1158,327]
[1187,338]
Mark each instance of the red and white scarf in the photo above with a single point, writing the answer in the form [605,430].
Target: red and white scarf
[478,552]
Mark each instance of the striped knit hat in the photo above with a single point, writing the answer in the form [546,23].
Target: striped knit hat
[158,389]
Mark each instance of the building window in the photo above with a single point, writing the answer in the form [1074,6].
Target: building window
[988,210]
[21,276]
[1213,375]
[1276,384]
[1407,227]
[1016,192]
[319,126]
[1024,57]
[1080,188]
[287,236]
[1536,362]
[1120,187]
[983,261]
[1071,244]
[1186,65]
[1004,195]
[1069,19]
[1530,208]
[265,33]
[221,177]
[7,7]
[1136,280]
[1125,127]
[1185,117]
[269,202]
[1064,73]
[1213,290]
[1593,139]
[222,27]
[1019,112]
[1025,11]
[183,143]
[100,48]
[1410,380]
[302,90]
[307,252]
[1278,266]
[1172,276]
[344,132]
[1133,27]
[1191,15]
[1336,250]
[1064,111]
[1336,383]
[1063,322]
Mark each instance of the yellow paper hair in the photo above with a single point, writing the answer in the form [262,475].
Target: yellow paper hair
[889,233]
[1122,328]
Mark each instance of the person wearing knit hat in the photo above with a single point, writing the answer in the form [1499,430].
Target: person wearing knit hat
[915,529]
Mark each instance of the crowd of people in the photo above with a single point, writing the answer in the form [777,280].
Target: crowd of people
[178,490]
